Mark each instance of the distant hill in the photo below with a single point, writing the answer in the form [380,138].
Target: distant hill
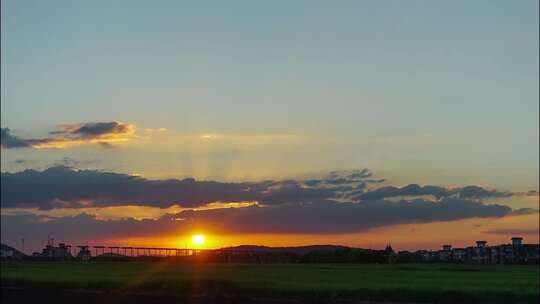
[10,252]
[296,249]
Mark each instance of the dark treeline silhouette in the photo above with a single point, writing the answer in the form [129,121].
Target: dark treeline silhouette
[345,255]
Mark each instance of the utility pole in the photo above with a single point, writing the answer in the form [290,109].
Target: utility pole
[22,243]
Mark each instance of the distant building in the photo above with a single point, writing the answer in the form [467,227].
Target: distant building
[408,257]
[423,255]
[530,253]
[389,254]
[514,253]
[63,251]
[481,244]
[445,254]
[458,254]
[516,241]
[84,253]
[480,253]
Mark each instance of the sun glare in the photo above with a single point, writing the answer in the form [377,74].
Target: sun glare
[197,239]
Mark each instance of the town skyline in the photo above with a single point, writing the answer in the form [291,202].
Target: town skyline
[515,252]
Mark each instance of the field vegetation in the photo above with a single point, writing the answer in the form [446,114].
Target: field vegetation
[441,283]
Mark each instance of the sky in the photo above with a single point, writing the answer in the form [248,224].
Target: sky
[251,101]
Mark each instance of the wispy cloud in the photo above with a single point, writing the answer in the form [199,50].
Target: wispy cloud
[513,231]
[467,192]
[68,135]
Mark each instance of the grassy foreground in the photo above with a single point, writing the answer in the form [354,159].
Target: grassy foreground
[320,282]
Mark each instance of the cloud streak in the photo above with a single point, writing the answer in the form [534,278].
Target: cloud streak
[467,192]
[513,231]
[68,135]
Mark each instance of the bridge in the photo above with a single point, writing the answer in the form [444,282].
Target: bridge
[138,251]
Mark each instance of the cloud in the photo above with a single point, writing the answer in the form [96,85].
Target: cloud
[524,211]
[513,231]
[155,130]
[532,193]
[22,161]
[65,187]
[94,129]
[67,135]
[10,141]
[410,190]
[468,192]
[479,192]
[62,186]
[74,163]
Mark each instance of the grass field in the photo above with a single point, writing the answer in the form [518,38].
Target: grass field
[307,282]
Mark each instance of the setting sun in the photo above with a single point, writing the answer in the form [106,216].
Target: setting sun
[197,239]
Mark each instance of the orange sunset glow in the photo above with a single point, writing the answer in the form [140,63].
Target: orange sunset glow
[269,151]
[183,125]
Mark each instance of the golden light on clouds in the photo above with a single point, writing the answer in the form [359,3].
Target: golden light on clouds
[68,143]
[75,135]
[124,212]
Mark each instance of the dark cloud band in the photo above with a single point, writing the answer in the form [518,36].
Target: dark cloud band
[64,187]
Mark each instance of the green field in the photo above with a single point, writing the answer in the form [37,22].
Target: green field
[309,282]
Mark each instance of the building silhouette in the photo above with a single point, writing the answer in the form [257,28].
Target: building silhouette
[515,252]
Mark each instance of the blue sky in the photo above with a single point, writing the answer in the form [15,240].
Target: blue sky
[441,92]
